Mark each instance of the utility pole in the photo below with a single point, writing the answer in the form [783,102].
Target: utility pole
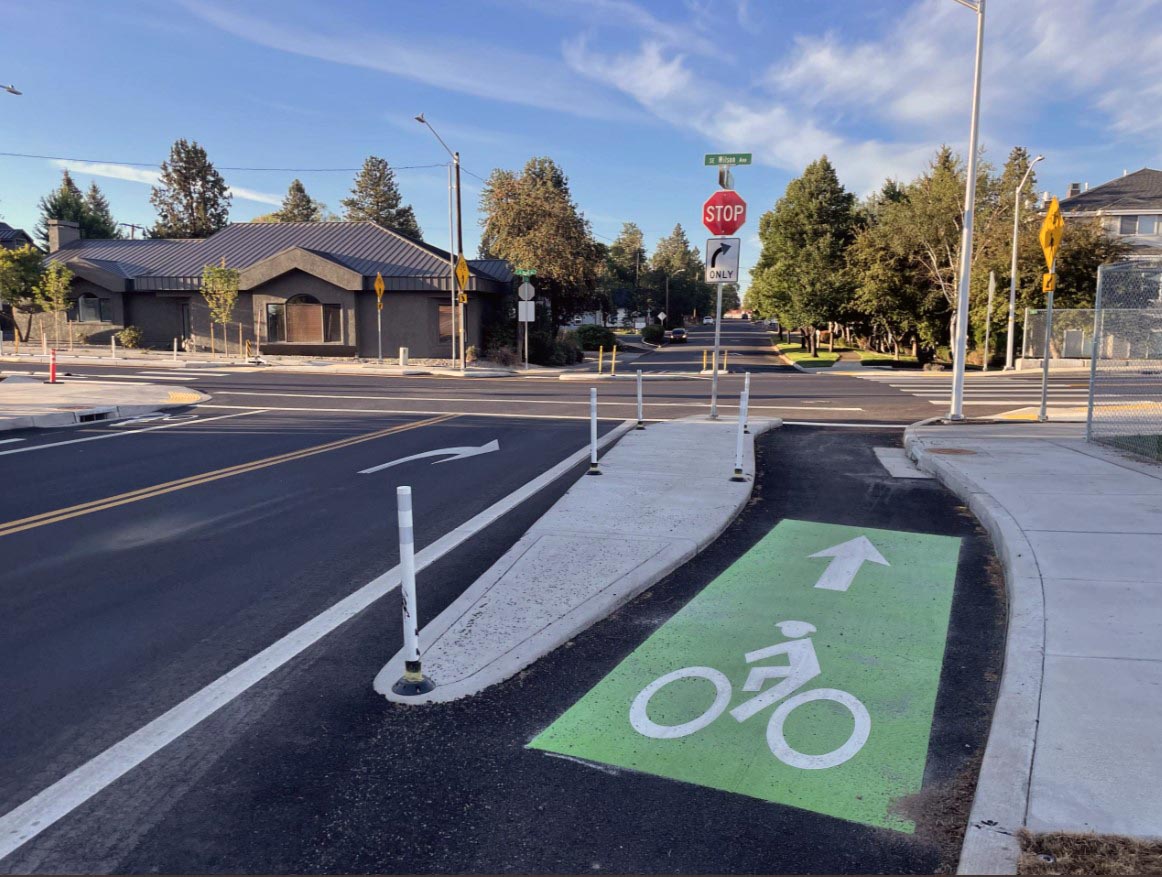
[460,251]
[133,229]
[960,342]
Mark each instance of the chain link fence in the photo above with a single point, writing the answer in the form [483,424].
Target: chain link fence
[1125,341]
[1071,335]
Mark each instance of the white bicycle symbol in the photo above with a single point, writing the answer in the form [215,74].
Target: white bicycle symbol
[802,667]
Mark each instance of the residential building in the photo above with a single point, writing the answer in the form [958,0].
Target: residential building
[13,238]
[304,288]
[1129,206]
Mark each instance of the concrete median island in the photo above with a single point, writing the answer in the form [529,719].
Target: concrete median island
[33,403]
[579,563]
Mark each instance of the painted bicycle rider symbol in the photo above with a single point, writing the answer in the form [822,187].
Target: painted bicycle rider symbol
[802,666]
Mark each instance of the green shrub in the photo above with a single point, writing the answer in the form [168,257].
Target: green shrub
[130,337]
[504,356]
[590,337]
[571,348]
[653,334]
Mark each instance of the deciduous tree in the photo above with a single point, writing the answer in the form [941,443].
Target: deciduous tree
[220,290]
[20,271]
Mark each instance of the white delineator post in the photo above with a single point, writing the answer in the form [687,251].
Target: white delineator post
[593,470]
[714,365]
[960,342]
[175,350]
[746,392]
[113,346]
[743,400]
[640,422]
[413,681]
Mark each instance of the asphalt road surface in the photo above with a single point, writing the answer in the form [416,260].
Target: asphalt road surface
[144,560]
[310,771]
[897,396]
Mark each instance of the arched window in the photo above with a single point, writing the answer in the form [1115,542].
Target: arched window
[302,299]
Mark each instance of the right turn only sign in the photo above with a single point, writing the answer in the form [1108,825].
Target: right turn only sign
[722,260]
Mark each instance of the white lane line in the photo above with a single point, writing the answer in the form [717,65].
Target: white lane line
[10,441]
[1007,401]
[97,438]
[121,379]
[845,425]
[25,822]
[197,373]
[515,400]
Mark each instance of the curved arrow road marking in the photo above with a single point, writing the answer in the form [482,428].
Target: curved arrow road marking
[848,558]
[450,453]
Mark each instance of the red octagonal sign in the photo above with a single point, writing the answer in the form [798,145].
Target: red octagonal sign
[724,212]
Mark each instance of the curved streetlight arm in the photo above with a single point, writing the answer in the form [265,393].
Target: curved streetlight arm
[420,118]
[1009,341]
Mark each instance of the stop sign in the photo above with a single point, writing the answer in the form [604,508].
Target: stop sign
[724,212]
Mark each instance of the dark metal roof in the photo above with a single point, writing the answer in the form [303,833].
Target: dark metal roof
[498,269]
[1141,190]
[363,247]
[8,233]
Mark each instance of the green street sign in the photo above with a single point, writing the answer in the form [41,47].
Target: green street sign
[805,675]
[525,272]
[728,158]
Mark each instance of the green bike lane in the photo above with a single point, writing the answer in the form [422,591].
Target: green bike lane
[556,771]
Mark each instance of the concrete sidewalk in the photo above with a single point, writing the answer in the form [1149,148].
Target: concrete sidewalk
[1074,740]
[32,402]
[665,493]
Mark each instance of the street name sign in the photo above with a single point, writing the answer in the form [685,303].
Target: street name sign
[722,260]
[714,159]
[1050,234]
[770,686]
[525,272]
[526,291]
[724,212]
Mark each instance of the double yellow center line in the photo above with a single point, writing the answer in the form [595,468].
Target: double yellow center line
[97,505]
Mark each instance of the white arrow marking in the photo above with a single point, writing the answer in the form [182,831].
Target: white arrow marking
[450,453]
[848,558]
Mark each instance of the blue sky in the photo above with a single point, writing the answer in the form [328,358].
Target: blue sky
[625,94]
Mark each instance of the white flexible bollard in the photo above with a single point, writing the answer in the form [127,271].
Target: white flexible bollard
[413,681]
[640,421]
[593,470]
[742,406]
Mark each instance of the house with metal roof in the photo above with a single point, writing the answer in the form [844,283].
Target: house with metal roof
[13,238]
[1129,207]
[304,288]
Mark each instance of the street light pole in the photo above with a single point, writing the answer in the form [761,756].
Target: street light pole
[960,344]
[1013,270]
[459,245]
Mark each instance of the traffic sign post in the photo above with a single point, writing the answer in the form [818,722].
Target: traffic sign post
[526,311]
[379,310]
[462,280]
[1050,236]
[721,267]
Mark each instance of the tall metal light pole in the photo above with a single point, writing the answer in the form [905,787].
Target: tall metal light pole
[960,343]
[459,247]
[1013,271]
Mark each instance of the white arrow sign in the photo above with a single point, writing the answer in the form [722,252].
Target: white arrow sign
[848,558]
[450,453]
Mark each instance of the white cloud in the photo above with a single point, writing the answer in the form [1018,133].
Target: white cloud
[476,68]
[150,177]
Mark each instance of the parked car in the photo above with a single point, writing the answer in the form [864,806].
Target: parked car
[708,321]
[678,336]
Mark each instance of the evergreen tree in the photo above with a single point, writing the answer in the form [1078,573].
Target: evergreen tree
[800,274]
[64,202]
[375,197]
[626,264]
[98,221]
[192,200]
[298,206]
[675,261]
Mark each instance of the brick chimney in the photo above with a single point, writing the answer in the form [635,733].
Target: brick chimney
[61,233]
[1074,190]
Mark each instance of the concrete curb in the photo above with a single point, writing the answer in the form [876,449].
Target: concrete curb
[1000,804]
[632,376]
[176,397]
[659,560]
